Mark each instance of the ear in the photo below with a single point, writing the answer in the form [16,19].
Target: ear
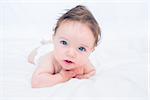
[92,49]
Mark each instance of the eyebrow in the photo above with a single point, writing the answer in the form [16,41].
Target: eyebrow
[85,45]
[63,38]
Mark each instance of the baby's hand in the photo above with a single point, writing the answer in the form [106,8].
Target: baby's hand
[82,76]
[87,75]
[66,75]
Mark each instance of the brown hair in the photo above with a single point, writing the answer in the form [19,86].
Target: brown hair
[82,14]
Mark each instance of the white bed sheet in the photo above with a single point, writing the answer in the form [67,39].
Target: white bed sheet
[125,78]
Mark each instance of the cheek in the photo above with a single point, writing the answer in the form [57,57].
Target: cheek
[82,59]
[59,51]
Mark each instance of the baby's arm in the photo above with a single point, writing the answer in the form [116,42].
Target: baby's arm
[43,75]
[88,71]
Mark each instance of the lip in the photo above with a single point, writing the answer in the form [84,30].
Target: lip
[68,62]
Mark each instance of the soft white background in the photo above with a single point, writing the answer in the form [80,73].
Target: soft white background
[120,59]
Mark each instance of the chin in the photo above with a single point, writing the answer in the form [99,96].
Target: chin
[68,67]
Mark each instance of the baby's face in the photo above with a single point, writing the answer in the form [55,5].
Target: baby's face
[73,43]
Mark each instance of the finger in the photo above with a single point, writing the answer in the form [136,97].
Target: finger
[79,76]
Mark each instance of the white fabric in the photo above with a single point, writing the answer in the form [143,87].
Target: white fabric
[42,49]
[124,78]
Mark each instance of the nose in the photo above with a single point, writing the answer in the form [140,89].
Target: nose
[71,53]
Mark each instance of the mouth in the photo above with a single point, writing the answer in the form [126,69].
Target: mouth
[68,62]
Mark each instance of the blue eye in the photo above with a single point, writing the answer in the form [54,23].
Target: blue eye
[63,42]
[82,49]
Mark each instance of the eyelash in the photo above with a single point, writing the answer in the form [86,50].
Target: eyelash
[81,49]
[63,42]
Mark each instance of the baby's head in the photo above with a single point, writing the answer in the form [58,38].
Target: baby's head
[75,36]
[82,15]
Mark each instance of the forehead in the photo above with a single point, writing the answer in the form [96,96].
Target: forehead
[76,31]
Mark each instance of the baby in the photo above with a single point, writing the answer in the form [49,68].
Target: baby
[75,36]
